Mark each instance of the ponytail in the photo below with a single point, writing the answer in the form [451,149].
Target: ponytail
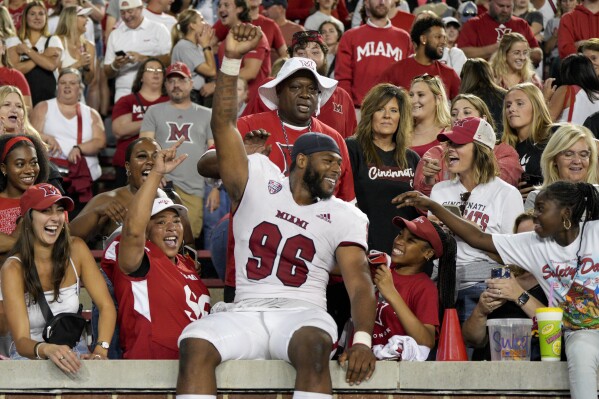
[447,271]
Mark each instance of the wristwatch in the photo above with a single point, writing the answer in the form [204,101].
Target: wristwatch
[103,344]
[523,298]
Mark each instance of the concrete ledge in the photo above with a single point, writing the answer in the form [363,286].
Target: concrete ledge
[478,378]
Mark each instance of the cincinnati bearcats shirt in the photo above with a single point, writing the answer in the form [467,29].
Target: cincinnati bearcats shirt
[492,206]
[153,310]
[286,250]
[419,293]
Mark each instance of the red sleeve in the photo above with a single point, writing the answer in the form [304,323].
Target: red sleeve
[261,52]
[298,10]
[530,37]
[254,105]
[454,84]
[122,107]
[435,152]
[566,43]
[14,77]
[351,122]
[343,62]
[388,75]
[467,37]
[220,30]
[278,40]
[510,169]
[341,12]
[426,308]
[243,126]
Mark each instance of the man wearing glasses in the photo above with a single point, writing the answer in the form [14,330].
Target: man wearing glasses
[178,118]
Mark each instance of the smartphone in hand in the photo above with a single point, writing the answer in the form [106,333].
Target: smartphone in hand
[120,53]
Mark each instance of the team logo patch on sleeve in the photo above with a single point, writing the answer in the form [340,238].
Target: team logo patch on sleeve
[274,186]
[325,216]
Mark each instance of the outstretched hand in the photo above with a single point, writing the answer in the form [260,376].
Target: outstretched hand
[359,363]
[255,142]
[167,160]
[415,199]
[242,39]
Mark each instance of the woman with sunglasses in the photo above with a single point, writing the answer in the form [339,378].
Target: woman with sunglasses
[430,110]
[570,155]
[478,195]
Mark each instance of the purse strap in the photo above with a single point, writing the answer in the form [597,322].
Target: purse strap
[79,125]
[41,299]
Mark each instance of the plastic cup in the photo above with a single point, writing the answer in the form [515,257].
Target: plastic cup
[550,333]
[509,339]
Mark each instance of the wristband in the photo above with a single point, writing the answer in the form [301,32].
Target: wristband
[79,148]
[113,68]
[230,66]
[361,337]
[206,48]
[36,349]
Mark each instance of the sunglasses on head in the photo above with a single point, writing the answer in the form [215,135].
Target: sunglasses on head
[464,197]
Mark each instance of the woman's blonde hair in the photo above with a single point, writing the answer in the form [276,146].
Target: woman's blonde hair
[67,24]
[7,27]
[478,104]
[375,99]
[181,28]
[484,164]
[499,60]
[541,119]
[24,28]
[27,127]
[442,112]
[565,137]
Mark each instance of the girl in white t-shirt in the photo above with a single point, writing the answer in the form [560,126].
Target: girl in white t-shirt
[562,252]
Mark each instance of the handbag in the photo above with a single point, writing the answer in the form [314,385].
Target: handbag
[62,329]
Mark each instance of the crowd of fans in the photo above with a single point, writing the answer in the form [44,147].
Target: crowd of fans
[481,107]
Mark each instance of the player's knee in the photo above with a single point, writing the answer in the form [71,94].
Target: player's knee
[310,347]
[197,355]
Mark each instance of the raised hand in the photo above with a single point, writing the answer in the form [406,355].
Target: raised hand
[255,142]
[205,35]
[242,39]
[430,169]
[167,160]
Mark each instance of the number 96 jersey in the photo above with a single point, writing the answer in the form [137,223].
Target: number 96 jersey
[282,249]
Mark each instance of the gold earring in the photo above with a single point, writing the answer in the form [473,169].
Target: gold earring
[567,224]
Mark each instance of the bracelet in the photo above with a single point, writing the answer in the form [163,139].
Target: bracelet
[230,66]
[361,337]
[113,68]
[206,48]
[79,148]
[36,349]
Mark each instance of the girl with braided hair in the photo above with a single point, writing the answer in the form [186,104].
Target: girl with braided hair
[561,252]
[409,303]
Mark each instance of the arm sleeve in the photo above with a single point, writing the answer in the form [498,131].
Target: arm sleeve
[510,169]
[278,39]
[164,40]
[530,37]
[343,62]
[467,36]
[149,122]
[565,37]
[512,207]
[121,107]
[514,249]
[220,30]
[435,152]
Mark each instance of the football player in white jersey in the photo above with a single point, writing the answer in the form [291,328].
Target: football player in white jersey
[289,233]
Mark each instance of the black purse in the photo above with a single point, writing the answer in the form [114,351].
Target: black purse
[62,329]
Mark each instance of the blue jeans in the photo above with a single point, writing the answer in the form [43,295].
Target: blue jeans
[218,246]
[467,300]
[212,218]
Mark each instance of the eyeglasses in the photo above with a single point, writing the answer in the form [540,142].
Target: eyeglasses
[154,70]
[518,53]
[569,155]
[464,197]
[425,76]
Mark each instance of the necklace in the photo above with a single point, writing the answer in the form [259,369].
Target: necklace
[287,138]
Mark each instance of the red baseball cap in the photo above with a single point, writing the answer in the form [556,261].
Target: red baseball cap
[470,129]
[43,196]
[178,68]
[421,227]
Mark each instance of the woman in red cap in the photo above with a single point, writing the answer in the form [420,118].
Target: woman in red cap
[409,303]
[478,195]
[46,259]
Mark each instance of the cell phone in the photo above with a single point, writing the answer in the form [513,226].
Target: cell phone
[191,252]
[120,53]
[453,209]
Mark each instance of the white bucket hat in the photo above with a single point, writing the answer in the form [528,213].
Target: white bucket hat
[326,86]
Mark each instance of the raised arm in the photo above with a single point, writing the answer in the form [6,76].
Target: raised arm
[463,228]
[231,155]
[133,237]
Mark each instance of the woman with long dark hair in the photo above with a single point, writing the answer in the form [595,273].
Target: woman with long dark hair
[47,261]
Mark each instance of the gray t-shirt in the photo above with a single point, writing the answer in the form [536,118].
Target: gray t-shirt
[191,55]
[169,124]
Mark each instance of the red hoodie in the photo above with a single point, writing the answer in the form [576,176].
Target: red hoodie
[578,24]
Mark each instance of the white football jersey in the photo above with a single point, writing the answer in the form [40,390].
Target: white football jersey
[282,249]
